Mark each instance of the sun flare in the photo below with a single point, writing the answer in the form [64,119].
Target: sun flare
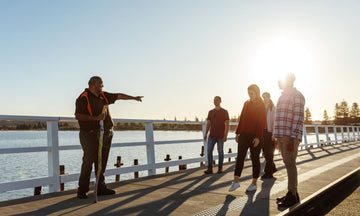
[277,57]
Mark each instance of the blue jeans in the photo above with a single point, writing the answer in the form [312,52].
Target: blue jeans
[220,147]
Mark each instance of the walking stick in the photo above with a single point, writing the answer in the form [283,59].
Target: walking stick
[99,155]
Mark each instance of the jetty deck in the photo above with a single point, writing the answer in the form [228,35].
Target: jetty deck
[190,192]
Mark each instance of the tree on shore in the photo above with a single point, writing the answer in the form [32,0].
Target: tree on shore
[325,118]
[308,119]
[344,109]
[342,113]
[336,113]
[344,116]
[355,111]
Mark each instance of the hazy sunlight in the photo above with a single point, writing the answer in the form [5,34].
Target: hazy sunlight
[279,56]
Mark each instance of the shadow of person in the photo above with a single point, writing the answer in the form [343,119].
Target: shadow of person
[225,207]
[259,206]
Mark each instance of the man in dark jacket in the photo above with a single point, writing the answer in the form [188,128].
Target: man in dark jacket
[89,106]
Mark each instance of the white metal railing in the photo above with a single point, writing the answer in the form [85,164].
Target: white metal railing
[54,178]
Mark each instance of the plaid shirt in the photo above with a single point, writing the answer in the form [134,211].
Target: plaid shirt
[290,115]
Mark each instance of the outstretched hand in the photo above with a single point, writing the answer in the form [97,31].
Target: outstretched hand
[138,98]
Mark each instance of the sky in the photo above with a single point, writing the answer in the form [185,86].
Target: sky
[177,54]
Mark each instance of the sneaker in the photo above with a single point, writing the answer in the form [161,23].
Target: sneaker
[251,188]
[105,191]
[82,195]
[234,186]
[289,200]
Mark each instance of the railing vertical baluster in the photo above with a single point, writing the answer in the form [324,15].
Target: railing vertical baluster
[348,133]
[327,135]
[317,135]
[150,147]
[53,155]
[353,130]
[342,134]
[204,143]
[305,136]
[335,135]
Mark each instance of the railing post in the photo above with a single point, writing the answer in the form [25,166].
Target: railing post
[317,135]
[335,135]
[150,147]
[358,132]
[353,130]
[342,134]
[327,136]
[348,133]
[53,155]
[305,136]
[205,143]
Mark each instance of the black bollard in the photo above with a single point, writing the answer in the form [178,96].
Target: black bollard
[167,159]
[136,174]
[229,153]
[62,172]
[202,155]
[117,165]
[37,190]
[182,167]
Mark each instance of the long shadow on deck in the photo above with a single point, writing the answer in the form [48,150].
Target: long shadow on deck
[170,203]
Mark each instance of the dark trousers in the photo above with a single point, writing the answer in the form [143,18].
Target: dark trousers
[268,147]
[90,145]
[246,142]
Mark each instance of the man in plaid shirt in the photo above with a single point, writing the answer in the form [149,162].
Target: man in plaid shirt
[288,131]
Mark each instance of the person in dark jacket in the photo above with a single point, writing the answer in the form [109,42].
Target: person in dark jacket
[249,132]
[89,106]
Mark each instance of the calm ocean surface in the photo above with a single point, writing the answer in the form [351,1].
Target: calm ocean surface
[24,166]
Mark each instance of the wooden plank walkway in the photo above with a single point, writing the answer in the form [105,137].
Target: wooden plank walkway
[190,192]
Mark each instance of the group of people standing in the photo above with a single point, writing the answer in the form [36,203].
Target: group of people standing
[261,126]
[260,123]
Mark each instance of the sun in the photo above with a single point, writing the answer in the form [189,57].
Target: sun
[278,56]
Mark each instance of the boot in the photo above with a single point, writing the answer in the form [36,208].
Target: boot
[220,169]
[209,171]
[289,200]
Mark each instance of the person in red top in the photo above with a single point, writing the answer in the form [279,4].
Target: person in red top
[218,124]
[249,132]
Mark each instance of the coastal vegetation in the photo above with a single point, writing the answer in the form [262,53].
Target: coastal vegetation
[343,115]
